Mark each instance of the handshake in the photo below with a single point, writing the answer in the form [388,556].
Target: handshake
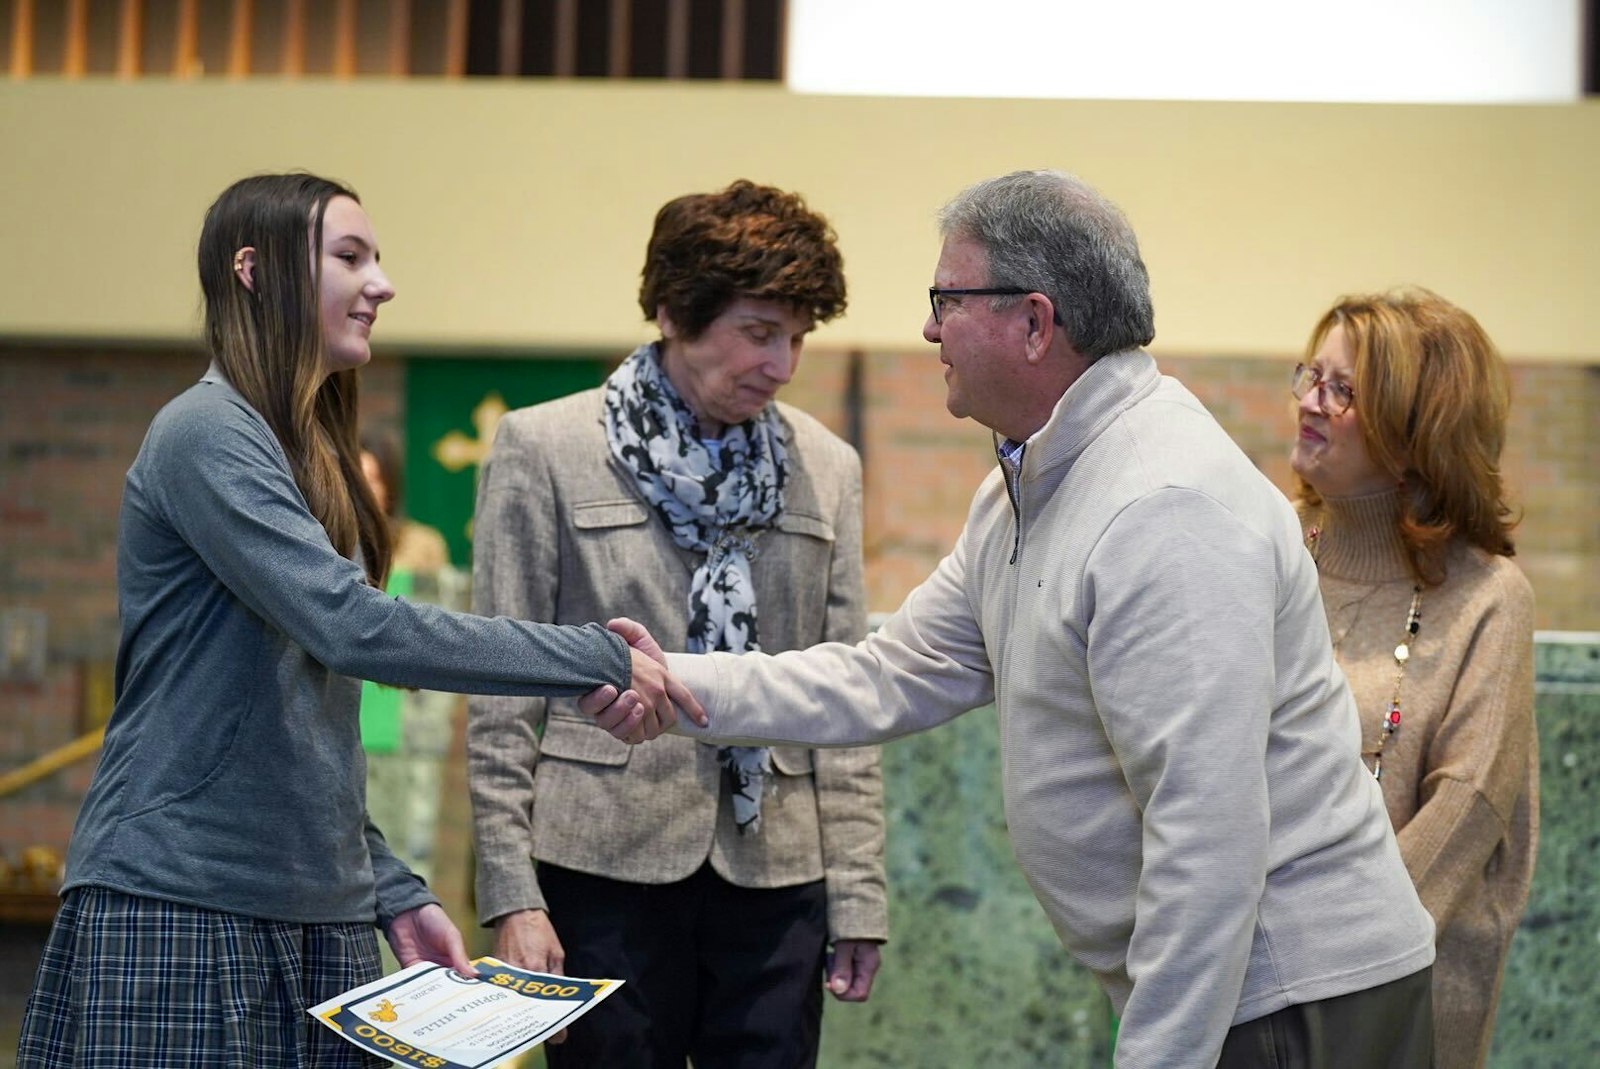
[648,706]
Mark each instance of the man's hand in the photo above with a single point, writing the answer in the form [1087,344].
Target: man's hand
[528,940]
[646,709]
[428,934]
[638,636]
[855,963]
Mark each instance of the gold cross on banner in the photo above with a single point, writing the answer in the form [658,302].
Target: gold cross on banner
[456,451]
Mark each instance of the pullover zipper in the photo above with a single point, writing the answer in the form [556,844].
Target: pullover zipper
[1013,473]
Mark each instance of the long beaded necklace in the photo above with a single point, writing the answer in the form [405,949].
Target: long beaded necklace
[1402,654]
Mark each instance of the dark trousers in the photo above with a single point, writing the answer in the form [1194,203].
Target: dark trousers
[1384,1027]
[726,977]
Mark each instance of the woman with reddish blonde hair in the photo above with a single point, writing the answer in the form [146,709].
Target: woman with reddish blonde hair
[1401,419]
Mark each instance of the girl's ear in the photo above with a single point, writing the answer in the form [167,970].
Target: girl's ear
[244,267]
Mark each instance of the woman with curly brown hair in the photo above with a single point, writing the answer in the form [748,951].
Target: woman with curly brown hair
[681,493]
[1402,416]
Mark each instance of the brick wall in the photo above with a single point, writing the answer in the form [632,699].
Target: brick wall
[922,466]
[1551,465]
[71,420]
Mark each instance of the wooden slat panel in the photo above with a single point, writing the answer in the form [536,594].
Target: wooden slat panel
[186,46]
[566,39]
[398,28]
[782,23]
[677,38]
[130,38]
[510,38]
[344,39]
[1589,26]
[21,40]
[733,39]
[75,47]
[294,38]
[239,38]
[455,39]
[619,52]
[399,64]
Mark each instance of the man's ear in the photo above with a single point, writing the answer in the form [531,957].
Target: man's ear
[244,267]
[1041,326]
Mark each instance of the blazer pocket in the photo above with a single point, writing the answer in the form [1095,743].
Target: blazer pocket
[580,740]
[805,524]
[790,760]
[596,515]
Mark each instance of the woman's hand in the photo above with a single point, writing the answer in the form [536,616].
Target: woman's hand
[647,708]
[428,934]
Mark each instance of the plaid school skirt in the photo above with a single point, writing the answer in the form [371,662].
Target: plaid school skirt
[134,983]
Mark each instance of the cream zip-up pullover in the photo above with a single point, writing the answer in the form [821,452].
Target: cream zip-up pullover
[1182,784]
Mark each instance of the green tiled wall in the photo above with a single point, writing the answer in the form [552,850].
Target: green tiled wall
[1550,1008]
[974,976]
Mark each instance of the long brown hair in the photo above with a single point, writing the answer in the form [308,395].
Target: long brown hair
[268,342]
[1432,396]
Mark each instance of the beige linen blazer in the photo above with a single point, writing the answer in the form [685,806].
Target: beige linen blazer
[561,534]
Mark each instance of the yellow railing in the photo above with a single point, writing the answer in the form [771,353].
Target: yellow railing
[57,759]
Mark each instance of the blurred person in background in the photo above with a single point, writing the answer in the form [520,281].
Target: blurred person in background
[417,546]
[407,732]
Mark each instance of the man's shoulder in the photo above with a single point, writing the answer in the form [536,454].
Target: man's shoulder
[1179,442]
[1172,400]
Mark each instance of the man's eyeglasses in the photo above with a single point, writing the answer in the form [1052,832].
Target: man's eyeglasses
[1334,396]
[936,298]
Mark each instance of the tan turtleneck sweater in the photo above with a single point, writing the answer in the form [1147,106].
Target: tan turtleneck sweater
[1461,776]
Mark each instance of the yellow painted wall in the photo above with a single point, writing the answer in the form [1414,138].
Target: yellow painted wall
[514,215]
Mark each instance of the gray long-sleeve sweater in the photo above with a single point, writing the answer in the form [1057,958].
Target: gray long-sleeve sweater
[232,776]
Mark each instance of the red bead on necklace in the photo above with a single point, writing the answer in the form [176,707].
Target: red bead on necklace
[1390,721]
[1402,654]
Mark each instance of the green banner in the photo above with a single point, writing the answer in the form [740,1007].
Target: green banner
[452,409]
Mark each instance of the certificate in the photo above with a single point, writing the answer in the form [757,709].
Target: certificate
[431,1016]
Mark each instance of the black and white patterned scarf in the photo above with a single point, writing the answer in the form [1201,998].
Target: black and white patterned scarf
[715,502]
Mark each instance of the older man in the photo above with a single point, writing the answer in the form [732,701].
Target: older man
[1181,779]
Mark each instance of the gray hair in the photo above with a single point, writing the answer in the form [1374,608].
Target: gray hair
[1051,233]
